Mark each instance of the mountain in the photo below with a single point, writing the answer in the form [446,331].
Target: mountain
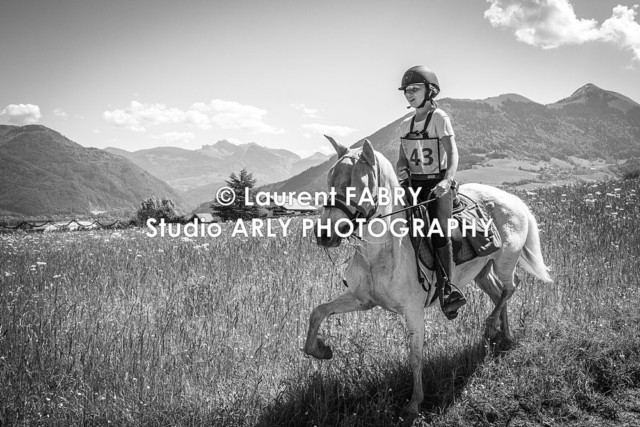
[44,173]
[499,100]
[592,123]
[591,96]
[199,173]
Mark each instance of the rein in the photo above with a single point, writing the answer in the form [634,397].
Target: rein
[410,207]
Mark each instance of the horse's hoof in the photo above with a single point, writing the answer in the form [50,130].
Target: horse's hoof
[407,419]
[490,334]
[490,329]
[324,351]
[507,342]
[409,410]
[409,414]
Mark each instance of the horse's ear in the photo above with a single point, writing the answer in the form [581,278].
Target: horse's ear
[367,153]
[340,149]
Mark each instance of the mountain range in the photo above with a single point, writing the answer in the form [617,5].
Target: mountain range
[199,173]
[592,123]
[44,173]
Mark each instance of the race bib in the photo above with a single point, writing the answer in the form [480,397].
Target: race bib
[424,155]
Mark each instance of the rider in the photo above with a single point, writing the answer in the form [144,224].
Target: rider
[428,161]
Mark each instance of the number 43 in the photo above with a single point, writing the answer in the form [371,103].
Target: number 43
[426,159]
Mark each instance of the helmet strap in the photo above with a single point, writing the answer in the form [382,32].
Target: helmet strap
[428,96]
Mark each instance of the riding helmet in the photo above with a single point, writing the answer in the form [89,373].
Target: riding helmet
[420,74]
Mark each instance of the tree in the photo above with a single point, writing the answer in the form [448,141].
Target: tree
[158,209]
[238,209]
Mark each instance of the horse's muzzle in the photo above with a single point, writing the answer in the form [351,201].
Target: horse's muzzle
[329,238]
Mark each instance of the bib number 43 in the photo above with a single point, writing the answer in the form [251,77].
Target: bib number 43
[425,159]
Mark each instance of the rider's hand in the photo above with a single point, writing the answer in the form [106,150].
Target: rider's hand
[442,188]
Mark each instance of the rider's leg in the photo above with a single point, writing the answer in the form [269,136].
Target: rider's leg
[451,298]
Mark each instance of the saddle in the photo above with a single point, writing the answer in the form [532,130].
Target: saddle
[465,246]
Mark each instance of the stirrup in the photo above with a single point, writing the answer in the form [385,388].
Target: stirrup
[451,306]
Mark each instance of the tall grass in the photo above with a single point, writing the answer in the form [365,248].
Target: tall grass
[118,328]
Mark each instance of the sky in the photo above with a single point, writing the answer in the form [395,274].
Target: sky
[139,74]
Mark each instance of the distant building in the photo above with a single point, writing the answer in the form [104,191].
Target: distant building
[290,209]
[203,218]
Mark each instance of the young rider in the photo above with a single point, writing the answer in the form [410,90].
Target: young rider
[428,161]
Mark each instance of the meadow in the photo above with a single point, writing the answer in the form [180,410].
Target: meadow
[117,328]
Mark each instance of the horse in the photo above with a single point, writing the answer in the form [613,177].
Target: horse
[383,270]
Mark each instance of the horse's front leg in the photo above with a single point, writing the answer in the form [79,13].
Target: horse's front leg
[415,331]
[345,303]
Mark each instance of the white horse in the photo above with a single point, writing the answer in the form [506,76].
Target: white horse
[383,270]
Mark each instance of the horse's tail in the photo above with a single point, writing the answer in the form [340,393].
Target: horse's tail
[531,256]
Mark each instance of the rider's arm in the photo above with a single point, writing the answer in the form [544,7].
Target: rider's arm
[450,147]
[402,166]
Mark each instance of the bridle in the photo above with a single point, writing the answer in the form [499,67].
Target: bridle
[352,210]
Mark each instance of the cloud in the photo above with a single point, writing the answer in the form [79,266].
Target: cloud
[622,28]
[311,113]
[59,113]
[233,115]
[223,114]
[318,129]
[22,114]
[552,23]
[138,116]
[176,137]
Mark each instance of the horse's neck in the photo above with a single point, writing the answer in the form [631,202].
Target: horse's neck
[373,245]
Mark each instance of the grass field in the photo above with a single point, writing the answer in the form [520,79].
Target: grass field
[116,328]
[526,175]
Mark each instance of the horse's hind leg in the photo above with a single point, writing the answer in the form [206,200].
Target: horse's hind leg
[345,303]
[499,285]
[504,320]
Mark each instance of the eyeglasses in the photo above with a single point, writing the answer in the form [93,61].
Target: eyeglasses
[413,88]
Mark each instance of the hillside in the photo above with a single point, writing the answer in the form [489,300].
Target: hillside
[199,173]
[590,124]
[44,173]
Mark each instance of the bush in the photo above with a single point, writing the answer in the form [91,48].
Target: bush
[158,209]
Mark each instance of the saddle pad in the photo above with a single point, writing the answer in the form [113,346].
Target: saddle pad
[464,248]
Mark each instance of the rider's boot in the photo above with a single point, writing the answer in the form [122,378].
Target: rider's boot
[451,298]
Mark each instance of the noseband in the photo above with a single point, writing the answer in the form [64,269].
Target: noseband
[340,202]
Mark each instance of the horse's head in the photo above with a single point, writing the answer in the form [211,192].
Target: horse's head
[355,173]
